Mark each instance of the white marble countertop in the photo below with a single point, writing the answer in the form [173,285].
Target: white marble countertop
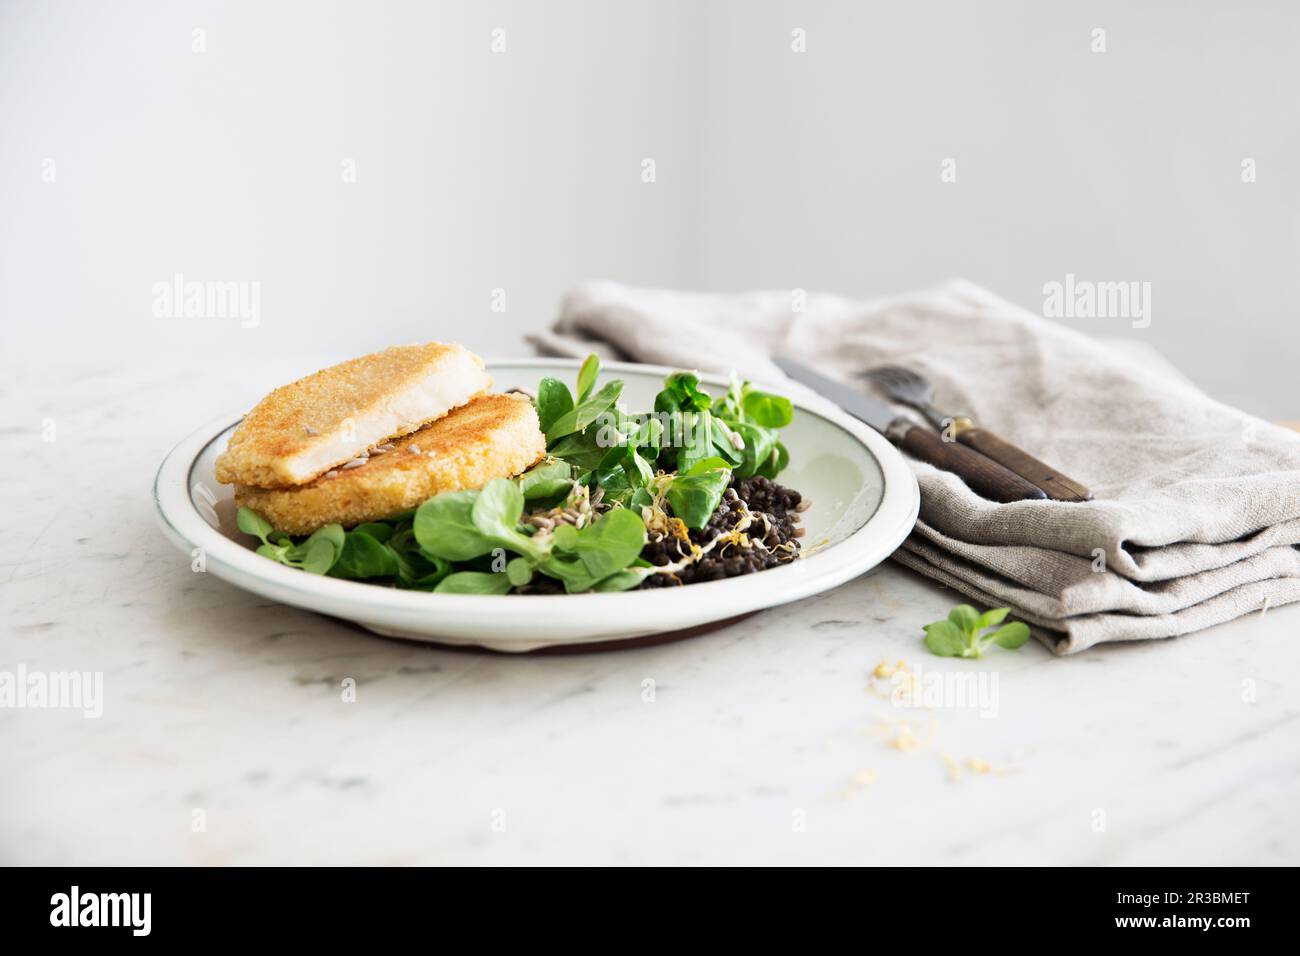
[225,736]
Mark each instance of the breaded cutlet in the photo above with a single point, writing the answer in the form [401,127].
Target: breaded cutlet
[493,436]
[302,430]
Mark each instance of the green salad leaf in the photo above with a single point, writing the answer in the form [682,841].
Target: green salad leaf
[587,375]
[759,444]
[464,525]
[365,556]
[315,554]
[444,527]
[585,412]
[695,495]
[582,449]
[379,530]
[560,416]
[756,416]
[547,480]
[474,582]
[766,409]
[621,471]
[553,401]
[415,569]
[682,393]
[250,522]
[582,558]
[623,580]
[968,633]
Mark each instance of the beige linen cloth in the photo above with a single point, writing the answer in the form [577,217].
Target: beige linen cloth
[1197,504]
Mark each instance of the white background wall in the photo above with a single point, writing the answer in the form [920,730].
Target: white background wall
[474,171]
[522,170]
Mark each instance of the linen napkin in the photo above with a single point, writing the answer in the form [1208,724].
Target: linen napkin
[1197,504]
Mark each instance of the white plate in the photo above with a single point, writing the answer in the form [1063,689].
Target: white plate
[864,503]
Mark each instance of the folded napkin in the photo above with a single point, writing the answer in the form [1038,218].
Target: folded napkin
[1197,504]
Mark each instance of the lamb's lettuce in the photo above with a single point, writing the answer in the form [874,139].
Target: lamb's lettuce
[464,525]
[968,633]
[695,495]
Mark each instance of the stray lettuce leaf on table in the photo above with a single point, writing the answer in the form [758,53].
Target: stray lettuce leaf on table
[968,633]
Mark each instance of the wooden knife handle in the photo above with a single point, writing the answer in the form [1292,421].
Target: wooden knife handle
[984,475]
[1057,485]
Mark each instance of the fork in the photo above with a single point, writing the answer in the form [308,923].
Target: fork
[907,387]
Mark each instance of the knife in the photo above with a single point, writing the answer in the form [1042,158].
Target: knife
[983,475]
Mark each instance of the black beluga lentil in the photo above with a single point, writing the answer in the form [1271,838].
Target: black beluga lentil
[773,536]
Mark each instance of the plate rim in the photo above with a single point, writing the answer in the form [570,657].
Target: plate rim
[878,537]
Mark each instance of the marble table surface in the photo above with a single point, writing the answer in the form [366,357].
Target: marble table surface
[227,735]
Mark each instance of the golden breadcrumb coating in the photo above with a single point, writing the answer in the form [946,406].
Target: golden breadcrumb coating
[303,429]
[493,436]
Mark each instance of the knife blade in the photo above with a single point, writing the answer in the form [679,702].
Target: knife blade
[983,475]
